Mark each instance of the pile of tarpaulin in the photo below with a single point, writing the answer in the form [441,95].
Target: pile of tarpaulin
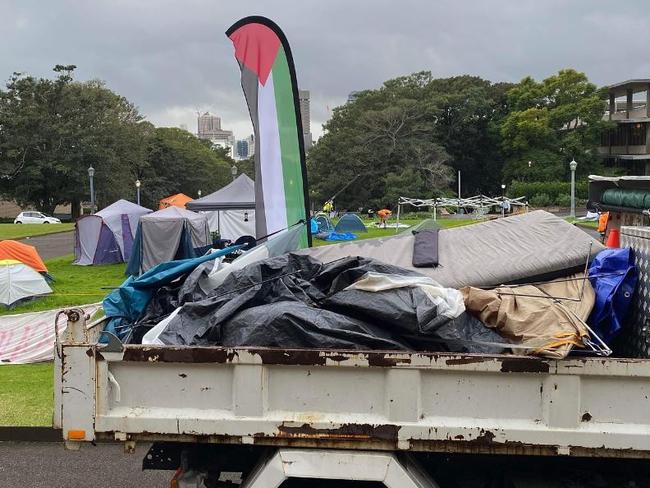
[529,284]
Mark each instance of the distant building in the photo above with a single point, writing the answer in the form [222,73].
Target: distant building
[245,148]
[628,144]
[209,127]
[353,96]
[303,98]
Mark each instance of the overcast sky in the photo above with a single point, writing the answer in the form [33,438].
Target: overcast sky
[172,59]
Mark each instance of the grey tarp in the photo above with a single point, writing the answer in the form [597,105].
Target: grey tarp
[522,247]
[161,234]
[293,301]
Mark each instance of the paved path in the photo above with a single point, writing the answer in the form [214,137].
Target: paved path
[52,245]
[49,465]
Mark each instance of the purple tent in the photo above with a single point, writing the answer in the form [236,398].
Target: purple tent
[107,236]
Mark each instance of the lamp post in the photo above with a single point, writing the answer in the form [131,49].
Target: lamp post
[458,209]
[233,172]
[503,200]
[199,193]
[137,189]
[572,166]
[91,176]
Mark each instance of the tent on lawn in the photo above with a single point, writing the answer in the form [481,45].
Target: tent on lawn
[19,282]
[107,236]
[230,210]
[22,252]
[350,223]
[166,235]
[179,200]
[324,223]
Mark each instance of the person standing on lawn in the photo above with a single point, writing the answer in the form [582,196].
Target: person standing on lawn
[383,214]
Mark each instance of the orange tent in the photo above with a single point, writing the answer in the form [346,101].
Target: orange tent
[178,200]
[22,252]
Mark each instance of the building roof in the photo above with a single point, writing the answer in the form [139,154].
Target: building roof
[636,85]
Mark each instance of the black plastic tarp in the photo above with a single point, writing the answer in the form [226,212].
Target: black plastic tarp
[295,301]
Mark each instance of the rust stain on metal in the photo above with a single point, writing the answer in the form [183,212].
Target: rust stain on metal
[297,357]
[524,365]
[345,431]
[179,354]
[386,360]
[464,360]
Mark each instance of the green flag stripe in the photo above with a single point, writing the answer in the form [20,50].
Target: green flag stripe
[289,145]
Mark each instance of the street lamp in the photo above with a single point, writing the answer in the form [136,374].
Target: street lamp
[233,172]
[137,189]
[199,192]
[91,176]
[573,166]
[503,200]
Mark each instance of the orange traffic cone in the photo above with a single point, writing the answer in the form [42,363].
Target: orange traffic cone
[614,238]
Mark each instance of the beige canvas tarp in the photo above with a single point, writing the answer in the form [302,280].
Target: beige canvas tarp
[529,317]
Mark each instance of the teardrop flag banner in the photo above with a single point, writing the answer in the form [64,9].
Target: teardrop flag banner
[268,78]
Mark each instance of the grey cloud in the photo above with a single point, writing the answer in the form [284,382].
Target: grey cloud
[172,58]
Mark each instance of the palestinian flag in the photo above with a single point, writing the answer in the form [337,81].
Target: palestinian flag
[268,78]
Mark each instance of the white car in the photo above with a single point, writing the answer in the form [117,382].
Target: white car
[33,217]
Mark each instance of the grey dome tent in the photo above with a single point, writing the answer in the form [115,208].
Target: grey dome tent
[168,234]
[350,223]
[231,209]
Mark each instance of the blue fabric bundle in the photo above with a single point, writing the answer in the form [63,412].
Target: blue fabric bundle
[613,276]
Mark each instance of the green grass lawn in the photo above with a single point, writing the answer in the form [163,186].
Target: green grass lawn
[74,285]
[26,394]
[374,232]
[26,389]
[19,231]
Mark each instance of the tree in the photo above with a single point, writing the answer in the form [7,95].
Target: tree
[552,122]
[52,130]
[179,162]
[413,127]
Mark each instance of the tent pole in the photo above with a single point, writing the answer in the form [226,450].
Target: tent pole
[397,224]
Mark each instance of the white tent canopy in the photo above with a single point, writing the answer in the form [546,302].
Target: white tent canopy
[18,281]
[230,210]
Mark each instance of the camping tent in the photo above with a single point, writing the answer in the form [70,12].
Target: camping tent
[324,223]
[22,252]
[179,200]
[18,281]
[350,223]
[230,210]
[168,234]
[107,236]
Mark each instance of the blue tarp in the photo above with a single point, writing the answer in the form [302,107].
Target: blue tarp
[340,236]
[126,304]
[613,277]
[314,226]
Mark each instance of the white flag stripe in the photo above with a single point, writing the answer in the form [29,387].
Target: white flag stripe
[270,159]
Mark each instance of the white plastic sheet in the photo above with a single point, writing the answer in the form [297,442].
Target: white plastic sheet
[29,337]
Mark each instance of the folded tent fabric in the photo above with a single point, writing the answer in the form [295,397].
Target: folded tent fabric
[22,252]
[425,248]
[526,247]
[536,317]
[18,282]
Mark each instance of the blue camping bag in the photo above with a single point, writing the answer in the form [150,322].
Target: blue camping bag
[613,276]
